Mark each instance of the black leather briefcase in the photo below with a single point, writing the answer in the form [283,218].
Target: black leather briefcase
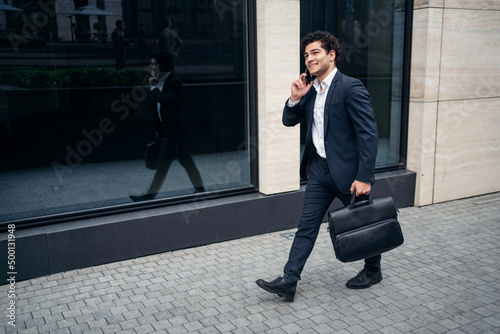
[364,229]
[152,153]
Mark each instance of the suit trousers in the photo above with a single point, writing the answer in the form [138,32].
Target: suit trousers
[321,190]
[171,150]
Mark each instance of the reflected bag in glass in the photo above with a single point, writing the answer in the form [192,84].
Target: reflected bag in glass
[152,152]
[364,229]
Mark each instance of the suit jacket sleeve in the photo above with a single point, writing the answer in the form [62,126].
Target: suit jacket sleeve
[295,115]
[360,111]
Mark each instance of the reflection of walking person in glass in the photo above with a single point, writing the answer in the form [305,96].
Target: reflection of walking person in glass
[142,37]
[166,89]
[119,44]
[168,39]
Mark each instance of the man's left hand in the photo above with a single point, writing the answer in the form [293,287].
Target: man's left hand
[362,188]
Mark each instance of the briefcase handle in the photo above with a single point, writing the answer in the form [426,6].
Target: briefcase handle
[355,204]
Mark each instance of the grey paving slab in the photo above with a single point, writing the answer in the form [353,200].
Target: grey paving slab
[444,279]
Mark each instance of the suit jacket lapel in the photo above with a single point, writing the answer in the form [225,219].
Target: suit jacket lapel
[310,113]
[329,97]
[167,82]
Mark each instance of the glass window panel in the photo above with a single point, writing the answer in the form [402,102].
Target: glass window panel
[77,111]
[371,34]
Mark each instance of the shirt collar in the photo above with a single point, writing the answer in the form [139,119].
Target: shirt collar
[326,82]
[164,78]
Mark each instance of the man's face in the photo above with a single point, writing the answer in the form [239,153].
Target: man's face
[155,67]
[318,62]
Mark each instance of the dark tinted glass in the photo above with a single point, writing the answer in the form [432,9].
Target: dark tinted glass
[77,108]
[372,36]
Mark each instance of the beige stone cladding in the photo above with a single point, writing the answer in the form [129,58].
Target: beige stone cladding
[278,42]
[454,121]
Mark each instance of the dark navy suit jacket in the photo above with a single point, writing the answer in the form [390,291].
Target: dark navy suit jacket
[170,100]
[351,138]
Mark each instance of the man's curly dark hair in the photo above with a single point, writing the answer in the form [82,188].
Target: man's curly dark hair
[165,60]
[328,42]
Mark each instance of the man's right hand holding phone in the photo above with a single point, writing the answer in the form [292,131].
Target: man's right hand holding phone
[155,76]
[153,82]
[300,88]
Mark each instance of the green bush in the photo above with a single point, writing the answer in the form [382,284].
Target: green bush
[74,77]
[98,26]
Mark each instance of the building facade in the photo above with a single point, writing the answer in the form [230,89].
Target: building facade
[73,128]
[453,135]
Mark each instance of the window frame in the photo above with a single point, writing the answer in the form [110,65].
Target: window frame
[251,103]
[405,91]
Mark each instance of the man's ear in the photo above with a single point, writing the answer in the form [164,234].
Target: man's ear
[332,55]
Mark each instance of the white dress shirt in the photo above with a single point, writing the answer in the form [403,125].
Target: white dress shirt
[318,126]
[160,85]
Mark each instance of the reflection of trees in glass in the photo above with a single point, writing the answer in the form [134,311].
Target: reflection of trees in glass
[74,77]
[99,27]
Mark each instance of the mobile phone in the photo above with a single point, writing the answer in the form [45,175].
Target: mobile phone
[155,73]
[309,77]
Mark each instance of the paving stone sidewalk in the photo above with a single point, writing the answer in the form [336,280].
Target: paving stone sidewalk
[444,279]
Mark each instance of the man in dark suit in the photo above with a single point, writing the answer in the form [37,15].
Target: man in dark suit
[166,88]
[339,156]
[119,44]
[168,39]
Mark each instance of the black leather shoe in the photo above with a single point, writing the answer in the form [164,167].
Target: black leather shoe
[365,279]
[279,287]
[145,197]
[199,190]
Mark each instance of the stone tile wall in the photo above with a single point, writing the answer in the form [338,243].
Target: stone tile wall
[454,129]
[278,42]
